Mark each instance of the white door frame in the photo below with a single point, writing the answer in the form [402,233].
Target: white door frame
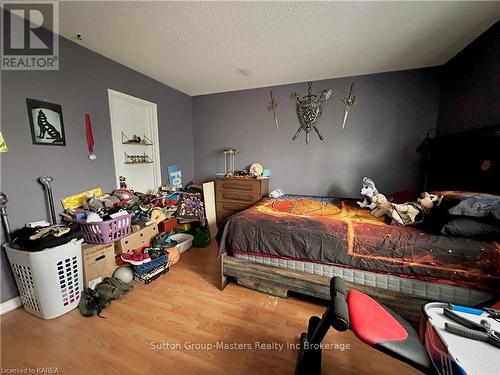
[153,117]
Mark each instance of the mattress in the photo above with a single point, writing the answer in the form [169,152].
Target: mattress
[337,232]
[413,287]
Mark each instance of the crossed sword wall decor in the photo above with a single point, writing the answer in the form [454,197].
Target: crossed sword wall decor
[349,101]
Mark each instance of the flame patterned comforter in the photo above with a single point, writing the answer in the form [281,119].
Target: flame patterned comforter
[336,231]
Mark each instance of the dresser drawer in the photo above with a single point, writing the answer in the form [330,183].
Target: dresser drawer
[231,207]
[227,209]
[236,194]
[242,197]
[242,185]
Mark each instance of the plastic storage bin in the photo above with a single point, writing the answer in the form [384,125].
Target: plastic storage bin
[107,231]
[49,281]
[151,266]
[184,241]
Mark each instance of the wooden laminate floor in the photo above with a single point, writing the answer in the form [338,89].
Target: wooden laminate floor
[184,306]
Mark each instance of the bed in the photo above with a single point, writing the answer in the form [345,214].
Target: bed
[297,243]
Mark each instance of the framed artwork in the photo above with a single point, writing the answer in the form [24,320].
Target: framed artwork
[46,123]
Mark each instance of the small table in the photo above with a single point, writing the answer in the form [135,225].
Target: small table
[453,354]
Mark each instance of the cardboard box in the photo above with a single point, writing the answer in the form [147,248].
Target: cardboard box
[98,263]
[136,240]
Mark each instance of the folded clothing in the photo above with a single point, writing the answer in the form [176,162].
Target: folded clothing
[471,228]
[37,239]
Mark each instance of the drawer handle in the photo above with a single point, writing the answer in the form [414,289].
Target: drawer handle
[238,197]
[237,186]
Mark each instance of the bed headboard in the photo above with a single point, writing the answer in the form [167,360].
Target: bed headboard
[467,161]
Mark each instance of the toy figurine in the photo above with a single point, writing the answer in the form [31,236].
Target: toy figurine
[123,183]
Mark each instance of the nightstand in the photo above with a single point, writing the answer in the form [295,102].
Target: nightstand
[236,194]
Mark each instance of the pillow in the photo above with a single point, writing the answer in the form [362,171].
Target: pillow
[470,228]
[477,206]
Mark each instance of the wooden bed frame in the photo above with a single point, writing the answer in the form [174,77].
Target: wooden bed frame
[443,172]
[279,282]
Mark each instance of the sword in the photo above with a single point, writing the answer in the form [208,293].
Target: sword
[273,104]
[349,101]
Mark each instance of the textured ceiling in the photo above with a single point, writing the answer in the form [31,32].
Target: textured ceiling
[206,47]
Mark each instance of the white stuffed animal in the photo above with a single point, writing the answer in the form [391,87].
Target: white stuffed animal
[368,191]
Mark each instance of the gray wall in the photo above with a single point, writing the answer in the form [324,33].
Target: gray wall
[393,113]
[471,89]
[79,87]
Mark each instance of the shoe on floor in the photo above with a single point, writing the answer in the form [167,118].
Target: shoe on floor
[91,303]
[136,258]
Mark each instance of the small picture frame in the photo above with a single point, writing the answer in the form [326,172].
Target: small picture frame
[46,123]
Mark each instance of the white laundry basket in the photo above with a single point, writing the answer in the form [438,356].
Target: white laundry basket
[49,281]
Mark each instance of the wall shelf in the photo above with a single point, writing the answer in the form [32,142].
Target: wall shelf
[138,159]
[144,141]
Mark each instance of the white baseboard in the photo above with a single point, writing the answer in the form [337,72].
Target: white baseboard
[10,305]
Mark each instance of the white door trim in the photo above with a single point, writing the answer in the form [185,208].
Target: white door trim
[153,116]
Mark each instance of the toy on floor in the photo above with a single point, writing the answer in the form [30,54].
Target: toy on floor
[368,190]
[124,273]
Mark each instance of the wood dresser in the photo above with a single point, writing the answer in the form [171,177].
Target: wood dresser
[235,194]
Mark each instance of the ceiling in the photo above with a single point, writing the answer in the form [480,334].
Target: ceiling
[207,47]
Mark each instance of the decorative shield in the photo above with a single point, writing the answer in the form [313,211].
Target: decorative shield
[309,109]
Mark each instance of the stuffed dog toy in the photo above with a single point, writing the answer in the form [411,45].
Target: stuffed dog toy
[368,190]
[407,213]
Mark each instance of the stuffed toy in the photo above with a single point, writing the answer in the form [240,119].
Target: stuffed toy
[157,215]
[428,201]
[100,203]
[382,206]
[93,204]
[407,213]
[368,190]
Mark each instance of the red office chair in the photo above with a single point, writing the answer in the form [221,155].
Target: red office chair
[373,323]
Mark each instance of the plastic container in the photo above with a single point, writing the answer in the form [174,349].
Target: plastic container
[151,266]
[107,231]
[49,281]
[184,241]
